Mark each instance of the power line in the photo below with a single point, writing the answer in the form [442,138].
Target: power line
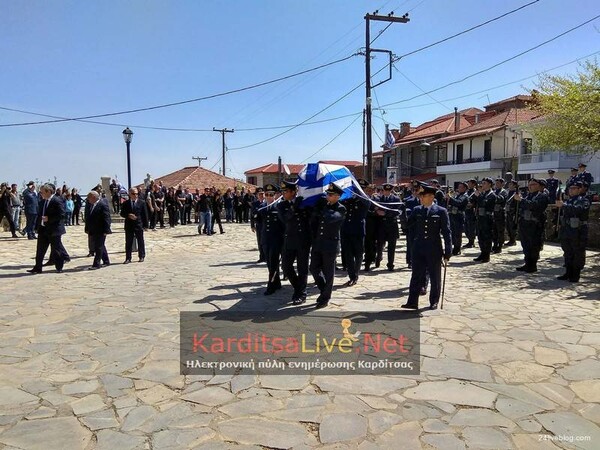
[304,121]
[420,88]
[208,97]
[495,65]
[465,31]
[334,138]
[498,86]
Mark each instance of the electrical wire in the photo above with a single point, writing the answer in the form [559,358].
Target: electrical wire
[495,65]
[208,97]
[334,138]
[467,30]
[420,88]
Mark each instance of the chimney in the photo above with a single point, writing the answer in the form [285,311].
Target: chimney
[404,129]
[477,118]
[456,120]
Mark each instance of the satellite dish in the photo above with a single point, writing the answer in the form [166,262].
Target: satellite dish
[286,169]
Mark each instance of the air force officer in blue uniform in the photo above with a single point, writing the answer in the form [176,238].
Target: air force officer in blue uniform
[426,223]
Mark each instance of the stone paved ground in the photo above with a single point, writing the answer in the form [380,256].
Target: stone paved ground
[89,359]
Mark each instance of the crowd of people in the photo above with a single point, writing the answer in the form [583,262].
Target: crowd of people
[302,239]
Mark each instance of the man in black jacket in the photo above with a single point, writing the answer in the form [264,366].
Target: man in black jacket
[50,228]
[327,220]
[97,226]
[136,221]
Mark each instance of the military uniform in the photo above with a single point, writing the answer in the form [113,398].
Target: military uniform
[511,218]
[456,210]
[272,241]
[390,232]
[296,243]
[410,203]
[326,221]
[353,235]
[372,226]
[584,176]
[532,215]
[499,220]
[470,220]
[572,179]
[484,204]
[552,184]
[256,224]
[574,235]
[427,224]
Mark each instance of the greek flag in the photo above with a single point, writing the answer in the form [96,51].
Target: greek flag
[390,140]
[314,179]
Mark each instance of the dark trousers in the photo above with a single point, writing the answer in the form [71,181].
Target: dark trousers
[485,225]
[370,247]
[245,213]
[470,225]
[353,248]
[511,226]
[425,261]
[261,250]
[172,217]
[391,251]
[100,252]
[30,224]
[216,218]
[272,251]
[138,233]
[9,218]
[532,238]
[116,203]
[188,213]
[498,231]
[90,245]
[297,280]
[238,214]
[160,217]
[457,224]
[152,218]
[58,253]
[322,268]
[573,246]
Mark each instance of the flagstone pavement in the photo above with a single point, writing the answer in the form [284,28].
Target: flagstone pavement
[89,360]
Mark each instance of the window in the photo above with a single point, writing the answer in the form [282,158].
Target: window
[442,153]
[252,180]
[487,150]
[459,154]
[526,146]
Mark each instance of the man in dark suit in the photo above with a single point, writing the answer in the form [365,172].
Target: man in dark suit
[136,221]
[427,222]
[390,232]
[272,238]
[50,228]
[97,226]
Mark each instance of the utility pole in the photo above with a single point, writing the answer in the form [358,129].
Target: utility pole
[199,159]
[369,132]
[279,170]
[223,131]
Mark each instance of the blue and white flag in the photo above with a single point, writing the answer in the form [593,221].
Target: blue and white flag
[390,140]
[314,179]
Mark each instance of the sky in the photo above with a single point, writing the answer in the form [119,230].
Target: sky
[74,59]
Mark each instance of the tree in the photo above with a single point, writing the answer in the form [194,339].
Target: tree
[570,106]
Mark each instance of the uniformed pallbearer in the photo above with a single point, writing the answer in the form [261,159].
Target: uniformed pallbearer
[296,242]
[271,238]
[499,216]
[470,216]
[353,233]
[427,222]
[390,232]
[327,219]
[574,231]
[456,210]
[511,214]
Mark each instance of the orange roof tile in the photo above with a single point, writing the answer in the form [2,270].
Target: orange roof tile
[199,177]
[274,168]
[342,163]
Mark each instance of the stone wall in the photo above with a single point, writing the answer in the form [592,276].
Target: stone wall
[593,225]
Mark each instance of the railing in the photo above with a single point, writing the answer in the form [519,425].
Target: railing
[463,161]
[550,156]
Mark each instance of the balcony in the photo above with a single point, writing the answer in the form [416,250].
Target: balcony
[541,162]
[468,165]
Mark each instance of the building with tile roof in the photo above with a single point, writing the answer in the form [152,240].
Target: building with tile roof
[269,173]
[198,178]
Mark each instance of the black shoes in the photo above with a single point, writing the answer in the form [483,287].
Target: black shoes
[298,299]
[141,259]
[390,268]
[352,282]
[409,306]
[566,276]
[34,271]
[127,261]
[93,267]
[527,269]
[433,306]
[423,291]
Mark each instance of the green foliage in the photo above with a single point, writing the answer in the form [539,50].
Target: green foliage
[571,109]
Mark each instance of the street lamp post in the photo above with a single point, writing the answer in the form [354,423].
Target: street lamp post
[127,136]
